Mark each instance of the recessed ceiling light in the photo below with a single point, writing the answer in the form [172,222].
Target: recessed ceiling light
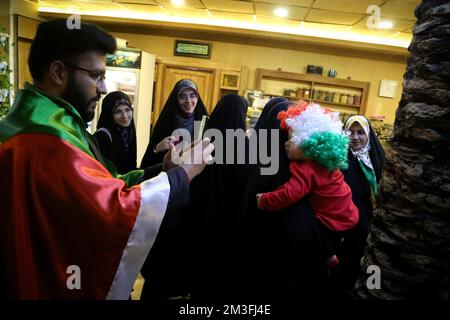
[385,24]
[281,12]
[178,3]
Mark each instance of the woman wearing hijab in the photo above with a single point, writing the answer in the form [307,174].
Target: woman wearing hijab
[164,270]
[217,209]
[366,161]
[116,134]
[284,248]
[182,108]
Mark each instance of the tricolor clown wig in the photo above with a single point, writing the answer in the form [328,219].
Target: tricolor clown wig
[318,132]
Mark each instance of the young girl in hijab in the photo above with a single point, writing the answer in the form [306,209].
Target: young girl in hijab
[366,161]
[116,134]
[182,108]
[317,149]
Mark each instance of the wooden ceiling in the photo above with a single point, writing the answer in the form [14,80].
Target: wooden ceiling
[331,17]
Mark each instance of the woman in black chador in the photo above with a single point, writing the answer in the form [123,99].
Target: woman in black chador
[177,260]
[182,108]
[217,208]
[365,166]
[116,134]
[166,269]
[283,248]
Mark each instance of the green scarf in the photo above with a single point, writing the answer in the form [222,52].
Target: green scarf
[371,178]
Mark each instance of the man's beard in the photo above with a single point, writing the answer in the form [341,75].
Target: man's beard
[77,98]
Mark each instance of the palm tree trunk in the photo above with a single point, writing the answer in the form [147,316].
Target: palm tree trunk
[409,239]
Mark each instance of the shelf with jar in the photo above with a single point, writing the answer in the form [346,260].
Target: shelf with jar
[383,130]
[230,80]
[343,95]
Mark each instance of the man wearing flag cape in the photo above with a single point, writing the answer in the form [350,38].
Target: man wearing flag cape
[65,212]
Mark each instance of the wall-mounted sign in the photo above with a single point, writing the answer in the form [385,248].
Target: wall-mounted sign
[124,58]
[192,49]
[388,88]
[314,69]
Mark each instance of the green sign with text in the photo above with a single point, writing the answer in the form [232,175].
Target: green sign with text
[192,49]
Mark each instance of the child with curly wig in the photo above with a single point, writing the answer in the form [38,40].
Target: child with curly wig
[317,148]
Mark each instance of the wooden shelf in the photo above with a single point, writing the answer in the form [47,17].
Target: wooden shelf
[315,100]
[230,80]
[281,96]
[283,80]
[336,104]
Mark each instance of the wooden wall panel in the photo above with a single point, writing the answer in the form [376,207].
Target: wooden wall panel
[26,27]
[23,73]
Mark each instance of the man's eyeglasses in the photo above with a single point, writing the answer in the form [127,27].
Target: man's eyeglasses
[184,97]
[97,76]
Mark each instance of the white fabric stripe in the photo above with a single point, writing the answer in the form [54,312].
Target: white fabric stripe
[154,198]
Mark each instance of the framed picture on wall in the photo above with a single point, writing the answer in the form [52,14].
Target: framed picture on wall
[192,49]
[388,88]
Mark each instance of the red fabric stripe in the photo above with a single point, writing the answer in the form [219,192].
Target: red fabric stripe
[60,207]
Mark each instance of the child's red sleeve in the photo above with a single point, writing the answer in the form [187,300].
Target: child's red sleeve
[298,185]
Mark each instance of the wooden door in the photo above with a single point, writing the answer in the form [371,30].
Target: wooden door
[204,79]
[25,29]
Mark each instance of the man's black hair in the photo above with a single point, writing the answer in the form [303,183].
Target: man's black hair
[55,41]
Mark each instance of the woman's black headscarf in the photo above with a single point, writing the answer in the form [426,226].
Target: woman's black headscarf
[216,210]
[122,149]
[171,118]
[229,113]
[269,105]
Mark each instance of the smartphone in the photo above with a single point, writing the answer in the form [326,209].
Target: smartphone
[201,129]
